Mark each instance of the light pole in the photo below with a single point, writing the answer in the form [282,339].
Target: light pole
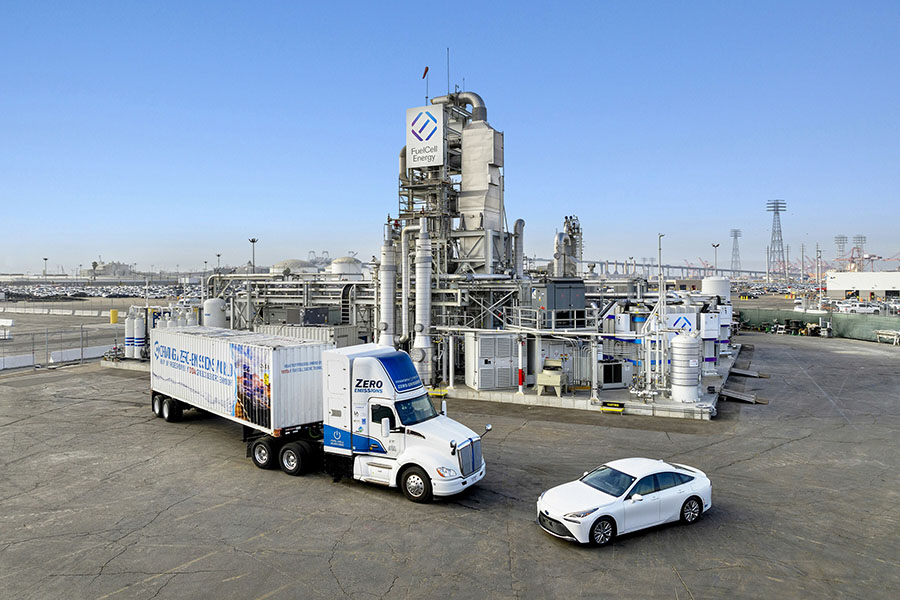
[218,262]
[45,267]
[253,246]
[715,258]
[203,282]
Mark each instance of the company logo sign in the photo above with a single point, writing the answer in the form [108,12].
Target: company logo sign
[424,125]
[424,137]
[682,323]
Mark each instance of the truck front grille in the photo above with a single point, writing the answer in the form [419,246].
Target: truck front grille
[469,457]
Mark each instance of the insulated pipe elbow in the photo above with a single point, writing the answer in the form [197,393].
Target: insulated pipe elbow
[479,110]
[402,174]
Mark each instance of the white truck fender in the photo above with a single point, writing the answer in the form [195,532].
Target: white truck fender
[427,458]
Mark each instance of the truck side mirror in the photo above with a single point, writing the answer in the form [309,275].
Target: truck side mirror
[487,428]
[385,428]
[444,407]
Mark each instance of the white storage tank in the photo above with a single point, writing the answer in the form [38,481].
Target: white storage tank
[685,354]
[139,334]
[214,313]
[129,335]
[347,267]
[191,317]
[717,286]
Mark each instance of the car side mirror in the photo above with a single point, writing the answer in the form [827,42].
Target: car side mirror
[636,497]
[385,427]
[444,407]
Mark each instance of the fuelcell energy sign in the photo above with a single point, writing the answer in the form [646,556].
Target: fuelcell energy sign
[424,136]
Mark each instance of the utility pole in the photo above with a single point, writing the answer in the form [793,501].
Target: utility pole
[715,258]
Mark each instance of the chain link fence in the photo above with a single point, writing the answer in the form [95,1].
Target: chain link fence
[48,347]
[852,326]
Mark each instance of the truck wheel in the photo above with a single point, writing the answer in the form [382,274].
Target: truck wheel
[293,458]
[171,410]
[263,453]
[156,404]
[416,485]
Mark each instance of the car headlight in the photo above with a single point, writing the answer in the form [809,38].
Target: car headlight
[581,514]
[446,472]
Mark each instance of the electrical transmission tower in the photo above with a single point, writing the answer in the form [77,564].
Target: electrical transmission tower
[777,262]
[841,242]
[735,252]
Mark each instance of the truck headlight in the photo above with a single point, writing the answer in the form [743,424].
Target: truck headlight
[446,472]
[581,514]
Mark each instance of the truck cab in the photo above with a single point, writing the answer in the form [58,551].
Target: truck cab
[381,427]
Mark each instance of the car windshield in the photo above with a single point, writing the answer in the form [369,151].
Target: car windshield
[608,481]
[415,410]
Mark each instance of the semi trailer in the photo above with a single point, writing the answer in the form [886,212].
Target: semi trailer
[360,412]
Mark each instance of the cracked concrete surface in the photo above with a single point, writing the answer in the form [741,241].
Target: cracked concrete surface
[99,499]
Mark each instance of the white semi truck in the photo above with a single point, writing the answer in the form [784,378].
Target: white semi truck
[359,412]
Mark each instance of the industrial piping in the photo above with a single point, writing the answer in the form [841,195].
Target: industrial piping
[422,348]
[404,292]
[388,273]
[519,247]
[479,110]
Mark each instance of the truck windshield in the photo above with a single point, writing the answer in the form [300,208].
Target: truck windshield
[415,410]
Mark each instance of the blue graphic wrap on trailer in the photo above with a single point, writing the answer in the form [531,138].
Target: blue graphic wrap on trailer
[400,369]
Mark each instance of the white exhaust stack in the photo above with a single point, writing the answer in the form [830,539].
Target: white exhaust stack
[423,351]
[388,273]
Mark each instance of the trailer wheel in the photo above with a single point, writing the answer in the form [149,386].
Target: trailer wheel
[171,410]
[263,453]
[156,403]
[416,485]
[293,458]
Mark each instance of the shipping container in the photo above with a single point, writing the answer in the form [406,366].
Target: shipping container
[266,382]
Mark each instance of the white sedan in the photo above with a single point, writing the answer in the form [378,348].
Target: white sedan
[623,496]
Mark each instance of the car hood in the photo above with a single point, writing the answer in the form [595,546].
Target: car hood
[574,496]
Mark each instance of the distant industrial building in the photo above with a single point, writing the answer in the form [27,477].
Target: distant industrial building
[864,285]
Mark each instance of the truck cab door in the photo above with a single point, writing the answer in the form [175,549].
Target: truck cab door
[389,447]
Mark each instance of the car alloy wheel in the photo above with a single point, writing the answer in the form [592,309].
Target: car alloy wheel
[602,532]
[690,512]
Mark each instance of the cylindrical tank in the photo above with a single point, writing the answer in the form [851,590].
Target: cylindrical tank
[161,321]
[422,348]
[717,286]
[139,334]
[685,355]
[388,300]
[191,317]
[113,316]
[172,320]
[214,313]
[180,319]
[129,336]
[347,267]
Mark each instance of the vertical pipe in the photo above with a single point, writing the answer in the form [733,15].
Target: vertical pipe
[404,292]
[521,344]
[388,275]
[594,383]
[451,351]
[423,350]
[82,344]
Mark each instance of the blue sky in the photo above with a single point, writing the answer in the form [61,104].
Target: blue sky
[162,133]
